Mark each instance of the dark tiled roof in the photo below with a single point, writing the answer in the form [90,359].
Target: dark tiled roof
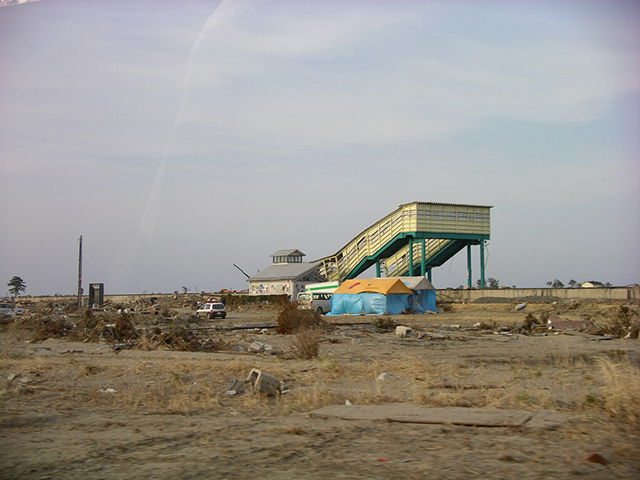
[285,271]
[286,253]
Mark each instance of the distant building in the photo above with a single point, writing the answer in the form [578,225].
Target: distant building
[287,275]
[592,284]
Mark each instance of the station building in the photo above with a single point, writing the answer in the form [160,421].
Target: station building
[287,275]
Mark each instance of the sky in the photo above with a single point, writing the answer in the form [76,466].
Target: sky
[180,137]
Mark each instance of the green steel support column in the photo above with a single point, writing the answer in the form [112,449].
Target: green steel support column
[482,263]
[411,257]
[423,263]
[377,268]
[469,265]
[429,274]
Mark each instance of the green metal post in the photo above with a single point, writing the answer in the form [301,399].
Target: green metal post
[411,257]
[482,263]
[423,263]
[469,279]
[429,275]
[377,268]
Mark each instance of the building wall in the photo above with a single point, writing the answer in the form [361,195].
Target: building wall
[281,287]
[612,293]
[277,287]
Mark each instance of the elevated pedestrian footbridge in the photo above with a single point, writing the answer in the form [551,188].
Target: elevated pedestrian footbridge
[412,239]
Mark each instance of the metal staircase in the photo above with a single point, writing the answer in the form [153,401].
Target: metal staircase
[410,240]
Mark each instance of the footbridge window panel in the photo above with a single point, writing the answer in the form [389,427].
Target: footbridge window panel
[373,237]
[396,223]
[362,244]
[385,228]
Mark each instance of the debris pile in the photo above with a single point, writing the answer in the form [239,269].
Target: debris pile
[42,327]
[624,323]
[292,319]
[384,323]
[119,331]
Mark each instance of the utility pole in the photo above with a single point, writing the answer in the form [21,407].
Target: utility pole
[80,273]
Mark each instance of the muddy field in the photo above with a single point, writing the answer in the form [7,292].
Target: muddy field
[74,409]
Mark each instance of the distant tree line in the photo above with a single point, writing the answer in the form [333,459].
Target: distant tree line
[489,283]
[555,283]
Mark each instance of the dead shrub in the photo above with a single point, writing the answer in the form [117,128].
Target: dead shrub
[385,324]
[305,343]
[291,319]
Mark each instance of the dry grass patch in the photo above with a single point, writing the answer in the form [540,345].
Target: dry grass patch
[621,391]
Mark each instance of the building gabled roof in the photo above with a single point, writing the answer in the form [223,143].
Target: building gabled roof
[287,253]
[284,271]
[416,283]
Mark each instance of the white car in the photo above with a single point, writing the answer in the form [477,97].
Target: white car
[8,309]
[212,310]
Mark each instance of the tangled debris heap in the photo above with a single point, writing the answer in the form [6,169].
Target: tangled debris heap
[117,330]
[624,321]
[384,323]
[625,324]
[292,319]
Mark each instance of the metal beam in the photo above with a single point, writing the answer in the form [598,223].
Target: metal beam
[410,257]
[482,263]
[469,276]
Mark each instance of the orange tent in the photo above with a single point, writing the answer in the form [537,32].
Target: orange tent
[373,285]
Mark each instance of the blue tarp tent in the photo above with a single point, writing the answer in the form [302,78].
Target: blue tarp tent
[375,296]
[423,294]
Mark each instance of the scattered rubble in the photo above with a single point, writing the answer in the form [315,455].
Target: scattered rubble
[139,330]
[403,331]
[236,388]
[261,382]
[257,347]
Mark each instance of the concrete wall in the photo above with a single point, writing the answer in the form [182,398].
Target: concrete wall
[114,298]
[470,295]
[448,295]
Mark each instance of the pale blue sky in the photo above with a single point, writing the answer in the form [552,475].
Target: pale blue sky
[180,137]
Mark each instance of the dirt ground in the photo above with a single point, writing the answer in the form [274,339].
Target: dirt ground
[78,410]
